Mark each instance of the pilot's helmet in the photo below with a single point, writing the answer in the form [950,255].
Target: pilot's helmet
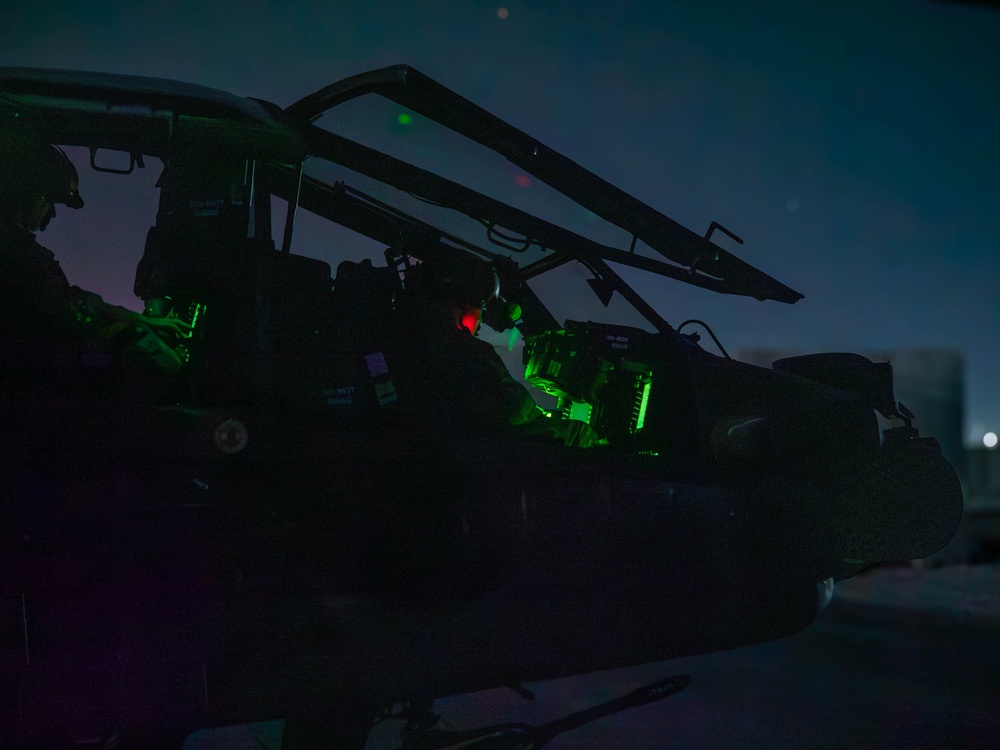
[30,168]
[458,280]
[58,177]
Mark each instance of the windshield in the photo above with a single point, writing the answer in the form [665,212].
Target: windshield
[99,245]
[563,289]
[394,130]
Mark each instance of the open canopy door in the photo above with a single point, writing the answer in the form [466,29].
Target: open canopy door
[700,261]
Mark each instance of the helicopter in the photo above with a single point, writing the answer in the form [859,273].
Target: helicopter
[275,525]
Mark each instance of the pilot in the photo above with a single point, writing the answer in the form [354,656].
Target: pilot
[444,300]
[456,397]
[445,297]
[45,322]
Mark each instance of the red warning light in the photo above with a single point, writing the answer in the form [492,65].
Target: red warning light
[523,180]
[470,318]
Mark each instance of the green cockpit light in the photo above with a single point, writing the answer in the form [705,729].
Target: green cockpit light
[640,419]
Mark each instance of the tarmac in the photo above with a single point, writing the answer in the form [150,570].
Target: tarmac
[965,596]
[958,603]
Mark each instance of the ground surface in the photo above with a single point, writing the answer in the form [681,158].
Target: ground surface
[903,658]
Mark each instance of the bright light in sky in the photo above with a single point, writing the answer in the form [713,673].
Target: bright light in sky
[990,440]
[502,13]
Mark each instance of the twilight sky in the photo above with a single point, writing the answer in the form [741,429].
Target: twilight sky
[853,145]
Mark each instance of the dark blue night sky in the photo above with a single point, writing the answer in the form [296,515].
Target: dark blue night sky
[853,145]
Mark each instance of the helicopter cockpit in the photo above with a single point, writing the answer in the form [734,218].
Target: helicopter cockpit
[256,205]
[279,322]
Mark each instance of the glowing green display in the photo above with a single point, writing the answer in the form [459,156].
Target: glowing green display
[580,411]
[404,119]
[195,309]
[198,310]
[641,419]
